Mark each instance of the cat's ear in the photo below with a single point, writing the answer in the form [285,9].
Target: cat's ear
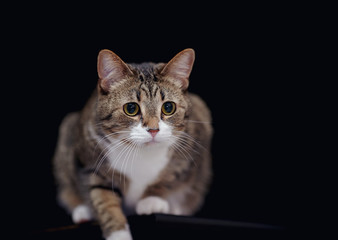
[179,68]
[111,69]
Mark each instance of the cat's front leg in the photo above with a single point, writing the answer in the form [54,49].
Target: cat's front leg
[107,206]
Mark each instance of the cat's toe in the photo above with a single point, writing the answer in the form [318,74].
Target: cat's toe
[151,205]
[81,214]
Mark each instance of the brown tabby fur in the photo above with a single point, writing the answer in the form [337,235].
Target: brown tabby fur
[77,154]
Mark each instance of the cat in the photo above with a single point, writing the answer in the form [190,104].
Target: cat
[141,145]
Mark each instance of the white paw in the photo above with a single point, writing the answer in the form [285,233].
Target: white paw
[175,210]
[123,234]
[81,213]
[151,205]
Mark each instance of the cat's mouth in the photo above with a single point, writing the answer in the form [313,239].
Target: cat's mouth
[157,141]
[152,142]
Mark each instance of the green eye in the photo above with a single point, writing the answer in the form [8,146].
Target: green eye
[168,108]
[131,109]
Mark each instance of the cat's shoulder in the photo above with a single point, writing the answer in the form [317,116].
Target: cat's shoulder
[199,118]
[69,122]
[199,106]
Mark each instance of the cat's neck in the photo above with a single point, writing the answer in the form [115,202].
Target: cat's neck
[141,165]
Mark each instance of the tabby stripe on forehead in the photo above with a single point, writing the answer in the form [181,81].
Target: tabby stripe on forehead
[155,91]
[150,89]
[162,95]
[145,91]
[138,95]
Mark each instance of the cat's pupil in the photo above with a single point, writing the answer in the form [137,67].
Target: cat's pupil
[131,107]
[168,107]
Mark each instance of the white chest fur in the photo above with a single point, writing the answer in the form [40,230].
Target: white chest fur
[142,166]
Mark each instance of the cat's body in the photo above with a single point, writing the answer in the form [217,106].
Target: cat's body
[140,145]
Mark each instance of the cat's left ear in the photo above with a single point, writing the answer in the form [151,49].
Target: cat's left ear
[111,69]
[179,68]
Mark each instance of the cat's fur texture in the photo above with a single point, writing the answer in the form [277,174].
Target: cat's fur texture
[108,164]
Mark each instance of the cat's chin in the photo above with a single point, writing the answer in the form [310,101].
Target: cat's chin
[152,143]
[155,143]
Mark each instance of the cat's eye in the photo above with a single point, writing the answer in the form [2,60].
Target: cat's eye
[131,109]
[168,108]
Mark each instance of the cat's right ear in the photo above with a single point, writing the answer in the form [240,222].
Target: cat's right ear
[111,69]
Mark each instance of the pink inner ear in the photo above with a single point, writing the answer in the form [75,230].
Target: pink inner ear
[179,68]
[111,69]
[109,64]
[106,68]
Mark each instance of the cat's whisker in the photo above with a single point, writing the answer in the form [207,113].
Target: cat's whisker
[118,158]
[187,136]
[194,121]
[187,144]
[189,158]
[125,162]
[186,141]
[136,153]
[111,149]
[108,146]
[112,166]
[180,148]
[119,155]
[105,137]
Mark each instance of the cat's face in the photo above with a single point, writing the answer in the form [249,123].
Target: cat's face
[145,104]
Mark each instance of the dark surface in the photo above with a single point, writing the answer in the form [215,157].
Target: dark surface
[247,69]
[159,226]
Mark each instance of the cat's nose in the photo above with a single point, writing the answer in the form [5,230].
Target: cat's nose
[153,131]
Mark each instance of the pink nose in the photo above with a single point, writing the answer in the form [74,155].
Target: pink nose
[153,132]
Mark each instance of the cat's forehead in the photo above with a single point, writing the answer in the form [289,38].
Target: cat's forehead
[146,85]
[146,72]
[149,80]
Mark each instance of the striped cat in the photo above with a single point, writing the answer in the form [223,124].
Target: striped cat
[141,145]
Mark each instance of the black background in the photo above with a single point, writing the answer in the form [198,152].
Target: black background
[244,70]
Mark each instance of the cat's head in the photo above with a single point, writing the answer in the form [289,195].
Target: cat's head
[143,103]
